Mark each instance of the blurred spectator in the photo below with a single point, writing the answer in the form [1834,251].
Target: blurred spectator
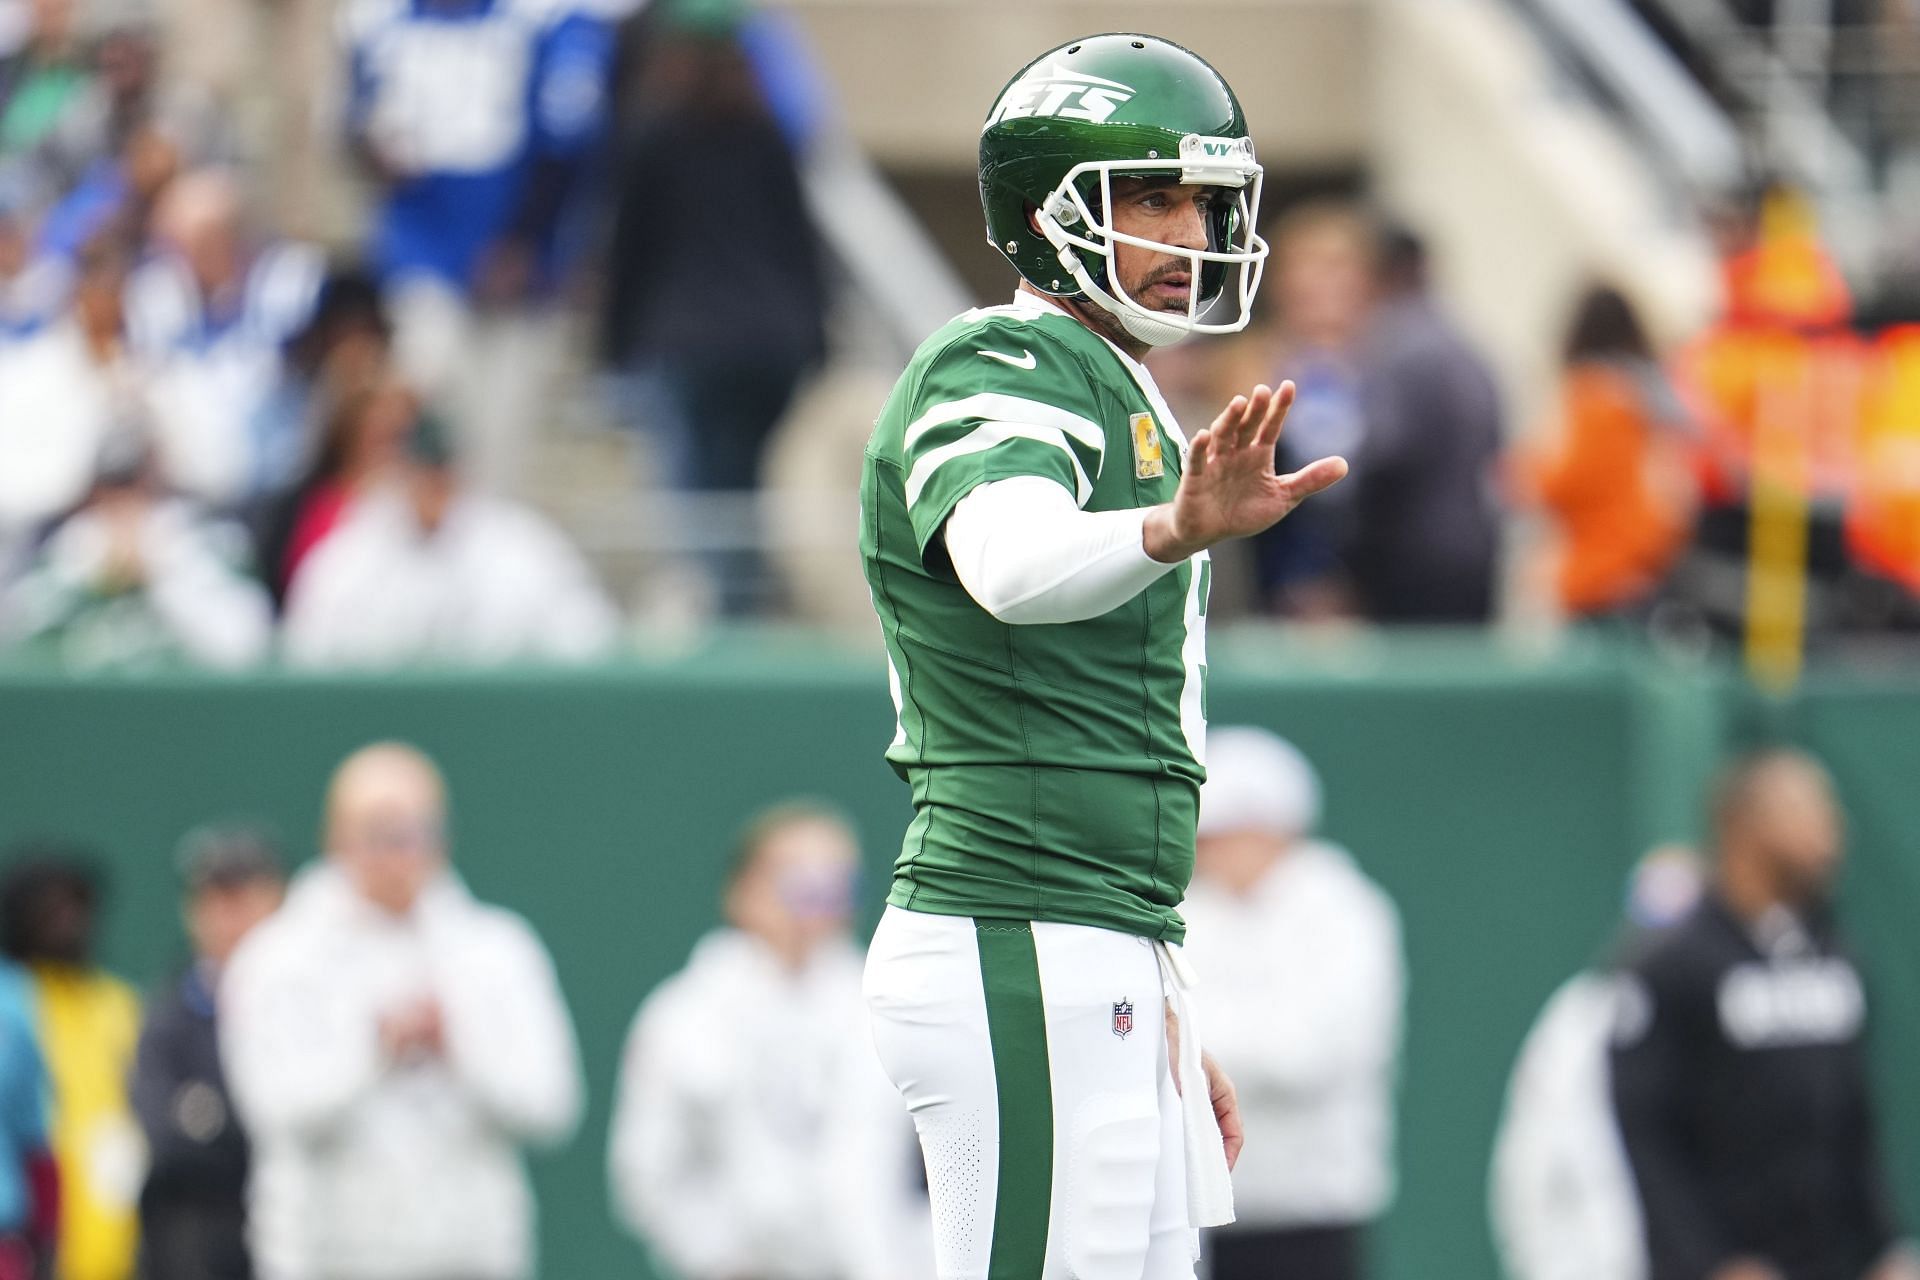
[116,97]
[1739,1066]
[477,119]
[797,90]
[61,392]
[33,286]
[41,79]
[712,348]
[1562,1195]
[115,199]
[1780,388]
[392,1044]
[193,1206]
[361,442]
[1426,531]
[29,1181]
[722,355]
[1304,983]
[135,577]
[88,1021]
[208,317]
[744,1071]
[423,570]
[1323,268]
[1617,481]
[123,94]
[342,344]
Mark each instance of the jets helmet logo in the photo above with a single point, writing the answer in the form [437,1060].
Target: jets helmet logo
[1053,90]
[1123,1018]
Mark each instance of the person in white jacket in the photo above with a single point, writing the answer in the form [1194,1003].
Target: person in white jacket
[423,569]
[1301,991]
[1561,1193]
[392,1044]
[135,577]
[754,1135]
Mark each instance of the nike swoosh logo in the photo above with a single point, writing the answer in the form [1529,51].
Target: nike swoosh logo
[1026,360]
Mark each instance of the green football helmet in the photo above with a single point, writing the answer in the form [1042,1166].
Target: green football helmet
[1127,104]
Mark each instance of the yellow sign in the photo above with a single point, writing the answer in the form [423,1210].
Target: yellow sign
[1147,461]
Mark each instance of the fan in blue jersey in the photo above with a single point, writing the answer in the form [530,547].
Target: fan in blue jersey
[477,117]
[208,315]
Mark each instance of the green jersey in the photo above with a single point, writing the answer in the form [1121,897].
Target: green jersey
[1055,769]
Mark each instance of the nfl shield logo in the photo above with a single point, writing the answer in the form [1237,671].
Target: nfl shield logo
[1122,1018]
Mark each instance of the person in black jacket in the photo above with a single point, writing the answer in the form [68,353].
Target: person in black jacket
[715,307]
[715,285]
[193,1206]
[1425,538]
[1739,1064]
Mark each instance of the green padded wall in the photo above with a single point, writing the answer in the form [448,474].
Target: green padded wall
[1499,798]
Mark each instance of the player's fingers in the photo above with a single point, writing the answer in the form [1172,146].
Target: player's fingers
[1173,1047]
[1235,410]
[1226,1113]
[1249,425]
[1199,453]
[1315,476]
[1268,436]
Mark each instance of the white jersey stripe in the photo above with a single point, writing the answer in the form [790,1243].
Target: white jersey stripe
[992,404]
[986,436]
[1193,656]
[898,690]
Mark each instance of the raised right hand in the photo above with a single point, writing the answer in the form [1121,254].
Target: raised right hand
[1229,488]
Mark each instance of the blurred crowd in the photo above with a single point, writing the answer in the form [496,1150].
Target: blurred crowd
[1665,484]
[1697,1103]
[343,1080]
[238,421]
[222,435]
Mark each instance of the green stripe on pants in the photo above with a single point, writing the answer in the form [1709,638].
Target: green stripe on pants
[1017,1028]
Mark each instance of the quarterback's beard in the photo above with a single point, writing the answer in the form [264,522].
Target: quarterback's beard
[1141,290]
[1164,273]
[1145,327]
[1122,326]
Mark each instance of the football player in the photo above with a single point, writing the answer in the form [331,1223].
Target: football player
[1035,529]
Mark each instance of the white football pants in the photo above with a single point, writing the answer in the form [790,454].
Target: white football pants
[1033,1058]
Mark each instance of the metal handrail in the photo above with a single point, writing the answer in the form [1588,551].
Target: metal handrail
[1696,139]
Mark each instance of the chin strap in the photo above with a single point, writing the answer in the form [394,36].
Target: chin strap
[1155,333]
[1139,324]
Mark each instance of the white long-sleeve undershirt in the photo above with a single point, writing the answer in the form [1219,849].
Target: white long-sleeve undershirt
[1027,554]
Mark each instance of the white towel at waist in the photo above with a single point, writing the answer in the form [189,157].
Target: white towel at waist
[1209,1186]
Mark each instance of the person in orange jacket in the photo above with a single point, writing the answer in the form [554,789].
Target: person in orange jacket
[1616,482]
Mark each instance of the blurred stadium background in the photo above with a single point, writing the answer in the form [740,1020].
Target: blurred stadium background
[1746,173]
